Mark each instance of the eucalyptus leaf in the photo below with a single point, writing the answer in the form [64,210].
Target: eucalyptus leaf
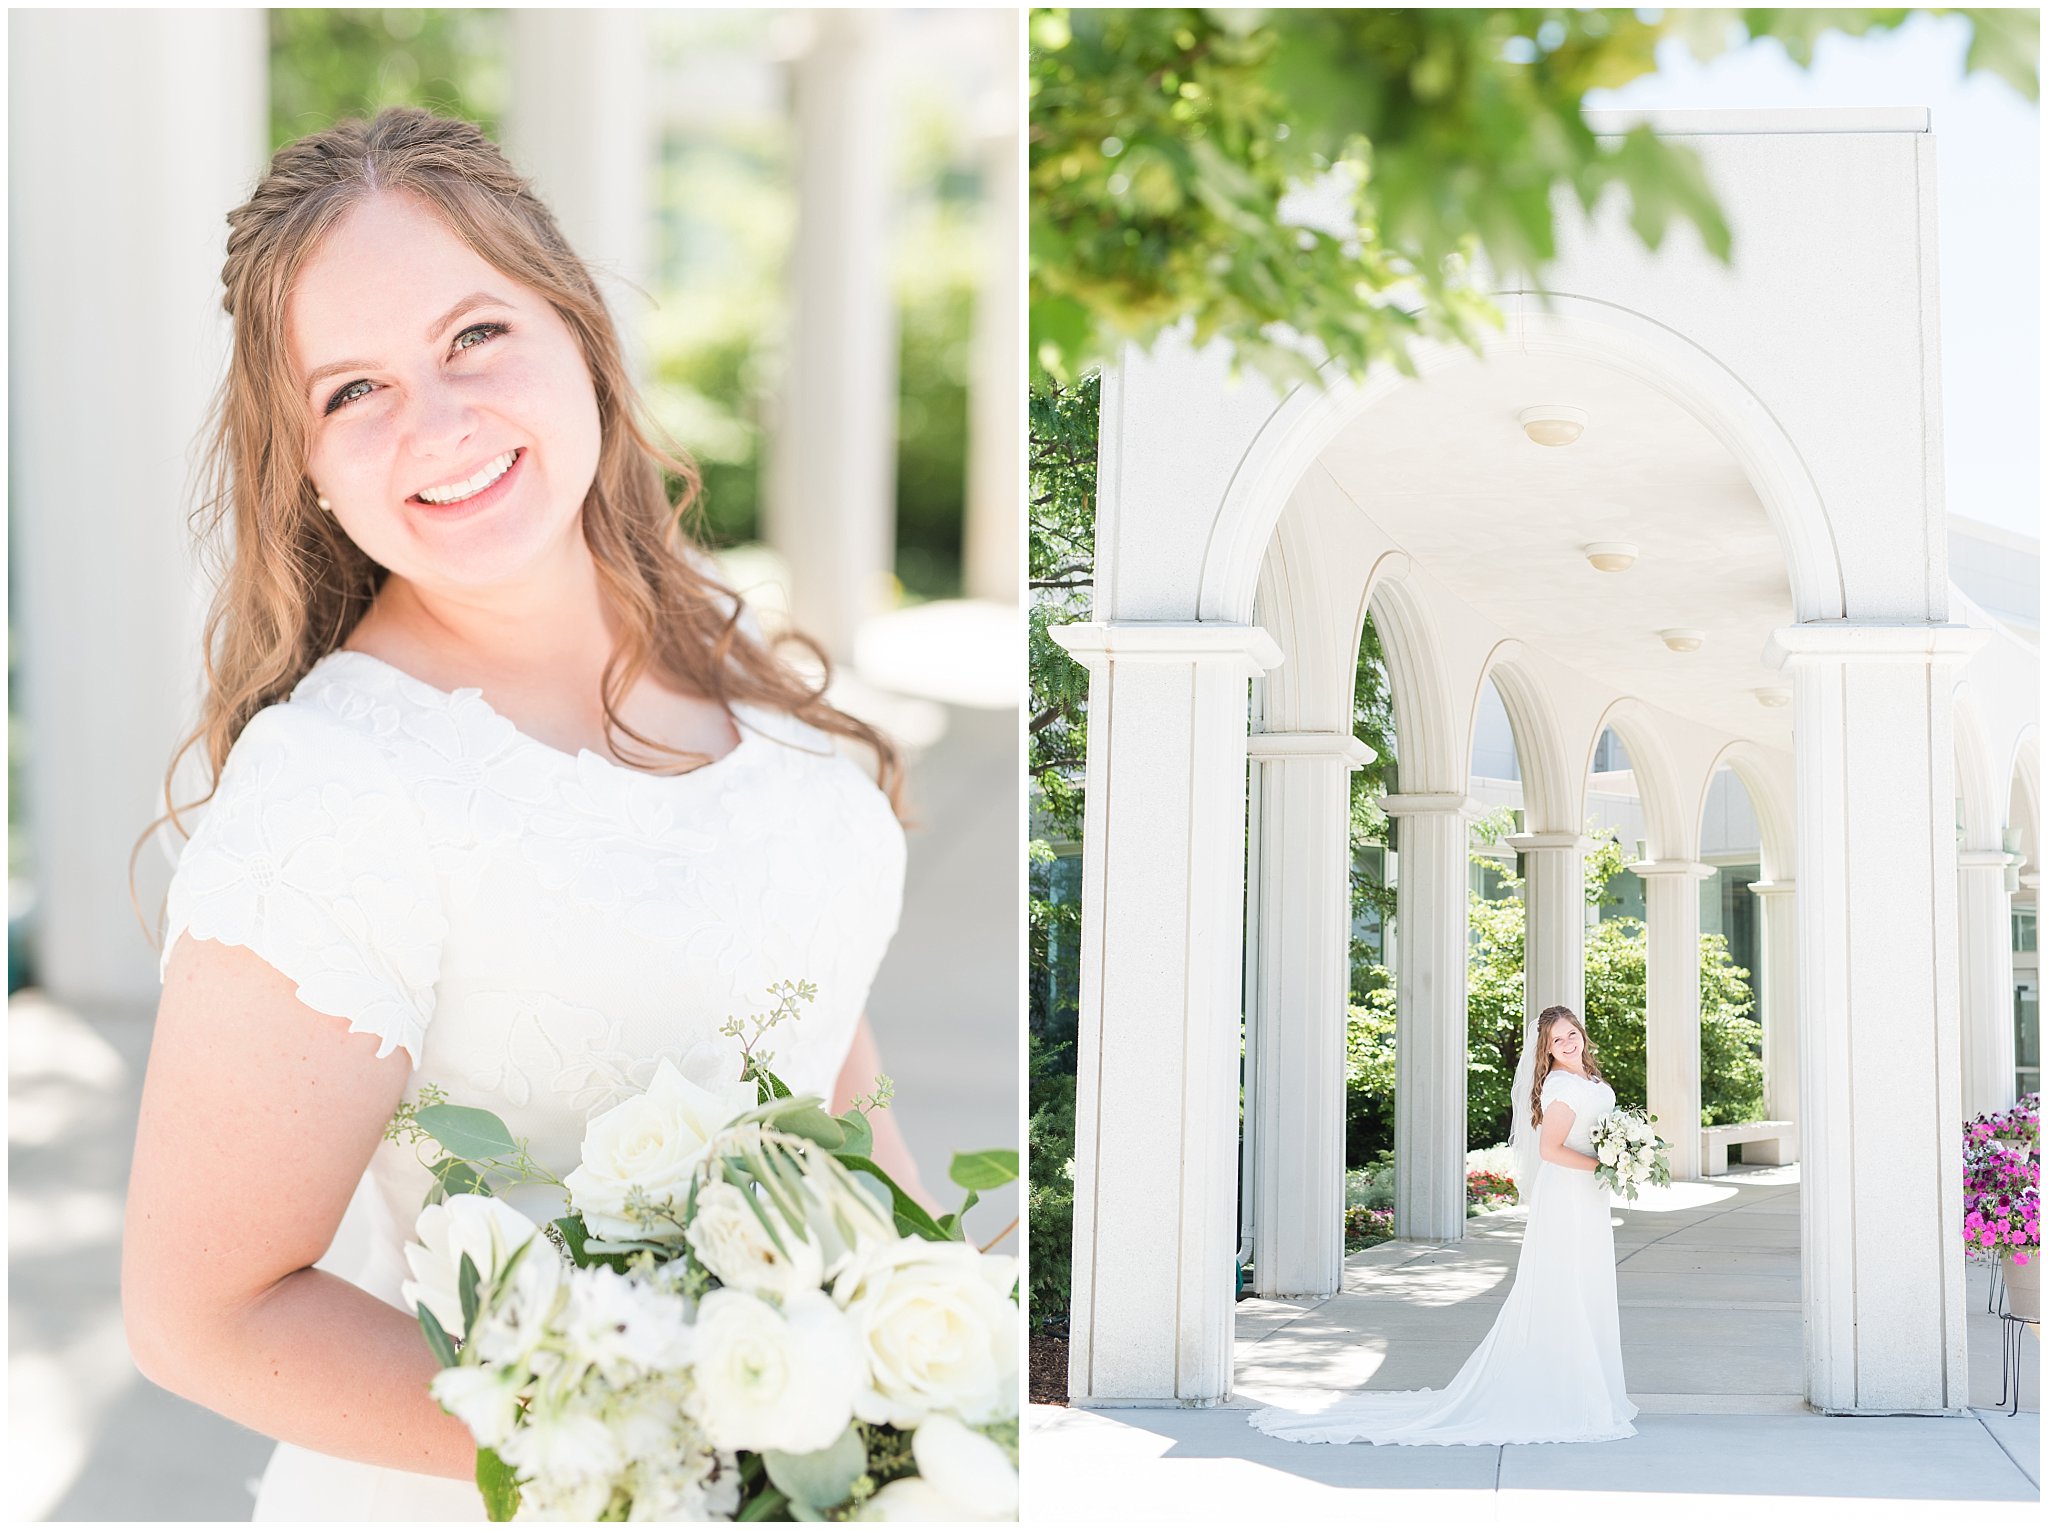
[911,1218]
[819,1479]
[466,1131]
[860,1136]
[984,1170]
[499,1485]
[814,1125]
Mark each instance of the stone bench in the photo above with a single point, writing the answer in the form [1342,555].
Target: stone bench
[1782,1138]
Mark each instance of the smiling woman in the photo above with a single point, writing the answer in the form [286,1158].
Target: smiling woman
[454,577]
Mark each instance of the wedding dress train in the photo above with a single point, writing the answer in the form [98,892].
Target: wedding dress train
[1549,1370]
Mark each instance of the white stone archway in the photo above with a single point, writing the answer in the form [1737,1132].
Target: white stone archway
[1816,380]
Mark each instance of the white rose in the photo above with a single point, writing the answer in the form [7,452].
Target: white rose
[733,1245]
[910,1501]
[938,1328]
[969,1469]
[481,1226]
[769,1380]
[654,1140]
[484,1397]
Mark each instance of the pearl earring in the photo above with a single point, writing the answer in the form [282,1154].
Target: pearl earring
[325,504]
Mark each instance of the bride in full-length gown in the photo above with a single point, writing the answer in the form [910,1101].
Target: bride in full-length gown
[1549,1370]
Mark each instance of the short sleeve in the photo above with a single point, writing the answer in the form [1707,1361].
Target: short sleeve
[311,854]
[1557,1084]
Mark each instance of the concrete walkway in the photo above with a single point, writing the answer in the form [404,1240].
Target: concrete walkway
[1708,1277]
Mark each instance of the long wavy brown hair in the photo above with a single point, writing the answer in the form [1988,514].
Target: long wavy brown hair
[1546,1022]
[290,584]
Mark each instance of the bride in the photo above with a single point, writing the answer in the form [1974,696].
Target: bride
[454,576]
[1549,1371]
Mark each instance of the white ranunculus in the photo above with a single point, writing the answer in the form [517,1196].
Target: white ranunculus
[733,1245]
[774,1380]
[481,1226]
[654,1140]
[938,1328]
[971,1470]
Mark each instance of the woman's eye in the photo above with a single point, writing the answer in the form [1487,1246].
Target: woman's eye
[347,395]
[488,331]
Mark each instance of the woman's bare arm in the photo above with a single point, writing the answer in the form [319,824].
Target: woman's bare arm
[857,1076]
[259,1115]
[1557,1125]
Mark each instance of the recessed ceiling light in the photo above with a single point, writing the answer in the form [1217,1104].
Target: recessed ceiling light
[1610,557]
[1552,424]
[1774,696]
[1682,639]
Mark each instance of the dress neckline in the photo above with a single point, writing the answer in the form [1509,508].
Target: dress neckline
[744,722]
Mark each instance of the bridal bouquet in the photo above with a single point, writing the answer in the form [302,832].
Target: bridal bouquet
[729,1323]
[1631,1154]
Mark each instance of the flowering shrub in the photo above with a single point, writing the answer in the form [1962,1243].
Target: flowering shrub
[2002,1183]
[1366,1225]
[1486,1189]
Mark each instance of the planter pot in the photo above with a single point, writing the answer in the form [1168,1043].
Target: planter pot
[2023,1286]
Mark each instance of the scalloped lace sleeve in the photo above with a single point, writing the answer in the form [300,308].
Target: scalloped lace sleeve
[311,855]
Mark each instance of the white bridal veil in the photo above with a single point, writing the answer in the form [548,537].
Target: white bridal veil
[1525,1138]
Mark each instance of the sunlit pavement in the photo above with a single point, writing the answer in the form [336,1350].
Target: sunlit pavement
[1708,1277]
[92,1440]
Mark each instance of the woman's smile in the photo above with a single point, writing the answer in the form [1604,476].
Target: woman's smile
[464,497]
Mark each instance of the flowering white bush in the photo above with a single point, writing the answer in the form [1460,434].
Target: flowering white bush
[728,1324]
[1631,1154]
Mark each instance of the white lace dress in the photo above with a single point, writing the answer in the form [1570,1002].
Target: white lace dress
[1549,1370]
[537,930]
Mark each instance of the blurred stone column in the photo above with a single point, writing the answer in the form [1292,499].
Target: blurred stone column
[134,133]
[1671,1004]
[1778,997]
[1554,897]
[1300,996]
[995,401]
[830,505]
[1159,1036]
[1984,910]
[1430,1055]
[578,124]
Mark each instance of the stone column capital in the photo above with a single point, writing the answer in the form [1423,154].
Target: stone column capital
[1414,804]
[1782,888]
[1699,871]
[1983,860]
[1529,843]
[1929,643]
[1095,644]
[1270,747]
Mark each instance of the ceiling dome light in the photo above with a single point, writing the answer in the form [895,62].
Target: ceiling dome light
[1682,639]
[1552,424]
[1774,696]
[1610,557]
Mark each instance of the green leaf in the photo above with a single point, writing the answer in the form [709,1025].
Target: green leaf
[819,1479]
[911,1218]
[465,1287]
[455,1176]
[812,1123]
[767,1506]
[984,1170]
[437,1338]
[467,1132]
[499,1485]
[575,1234]
[860,1136]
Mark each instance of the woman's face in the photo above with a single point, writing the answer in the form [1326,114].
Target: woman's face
[426,370]
[1567,1044]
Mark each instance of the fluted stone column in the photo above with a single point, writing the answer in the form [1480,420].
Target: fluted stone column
[1156,1111]
[1778,997]
[1671,1045]
[1554,921]
[1880,1033]
[1430,1052]
[1984,919]
[1300,993]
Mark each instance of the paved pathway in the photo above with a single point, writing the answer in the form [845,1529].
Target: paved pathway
[1709,1286]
